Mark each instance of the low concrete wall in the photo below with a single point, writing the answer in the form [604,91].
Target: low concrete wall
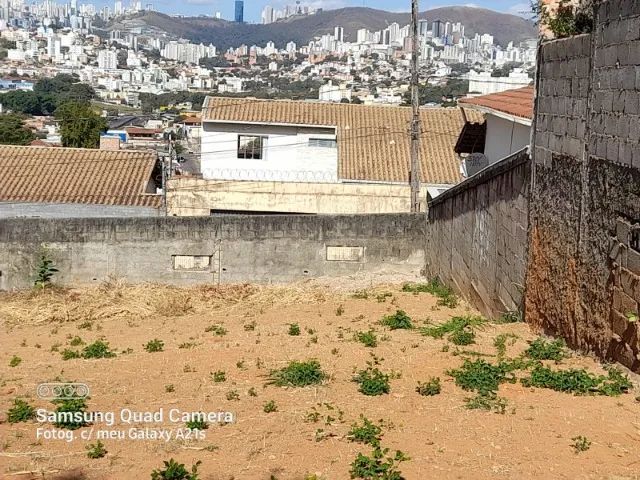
[196,197]
[73,210]
[261,249]
[477,236]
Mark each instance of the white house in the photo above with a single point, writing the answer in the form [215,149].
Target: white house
[506,128]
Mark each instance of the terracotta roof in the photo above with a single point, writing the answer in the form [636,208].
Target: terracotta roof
[76,175]
[373,141]
[518,102]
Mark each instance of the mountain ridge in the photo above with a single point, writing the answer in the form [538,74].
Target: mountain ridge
[224,34]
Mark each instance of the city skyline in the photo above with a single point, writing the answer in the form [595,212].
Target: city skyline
[253,9]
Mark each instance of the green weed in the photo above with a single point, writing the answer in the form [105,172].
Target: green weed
[368,339]
[96,450]
[365,432]
[542,349]
[197,424]
[397,321]
[15,361]
[20,412]
[372,382]
[98,349]
[456,324]
[294,329]
[298,374]
[579,382]
[580,444]
[154,345]
[75,408]
[500,342]
[483,377]
[216,329]
[488,401]
[429,388]
[378,466]
[176,471]
[270,407]
[446,295]
[462,337]
[219,376]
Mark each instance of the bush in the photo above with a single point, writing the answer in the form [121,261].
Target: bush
[20,412]
[98,349]
[366,432]
[372,382]
[270,407]
[176,471]
[298,374]
[368,339]
[96,450]
[154,345]
[294,329]
[378,465]
[446,296]
[45,271]
[68,354]
[398,321]
[542,349]
[429,388]
[578,382]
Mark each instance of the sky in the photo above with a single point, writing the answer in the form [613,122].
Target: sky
[253,8]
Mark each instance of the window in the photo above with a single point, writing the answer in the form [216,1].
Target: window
[200,263]
[250,146]
[322,143]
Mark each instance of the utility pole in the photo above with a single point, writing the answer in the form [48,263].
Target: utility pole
[414,177]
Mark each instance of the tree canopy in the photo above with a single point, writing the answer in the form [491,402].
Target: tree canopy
[13,131]
[80,125]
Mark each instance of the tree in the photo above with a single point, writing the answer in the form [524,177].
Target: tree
[80,125]
[13,131]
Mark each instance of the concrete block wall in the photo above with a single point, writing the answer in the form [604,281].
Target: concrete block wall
[586,188]
[259,249]
[477,236]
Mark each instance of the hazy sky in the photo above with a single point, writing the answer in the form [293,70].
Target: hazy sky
[253,8]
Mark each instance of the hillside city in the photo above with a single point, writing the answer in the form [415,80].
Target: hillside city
[126,65]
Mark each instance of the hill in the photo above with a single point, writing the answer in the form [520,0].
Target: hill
[224,34]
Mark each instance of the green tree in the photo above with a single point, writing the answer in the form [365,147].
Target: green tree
[13,131]
[80,125]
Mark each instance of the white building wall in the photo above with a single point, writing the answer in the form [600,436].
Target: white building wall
[287,155]
[504,137]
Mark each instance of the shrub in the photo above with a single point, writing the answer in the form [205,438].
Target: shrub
[489,401]
[76,341]
[197,424]
[216,329]
[20,412]
[98,349]
[68,354]
[398,321]
[578,381]
[456,324]
[96,450]
[378,465]
[581,444]
[15,361]
[45,271]
[176,471]
[365,432]
[219,376]
[372,382]
[429,388]
[462,337]
[294,329]
[483,377]
[270,407]
[542,349]
[154,345]
[446,296]
[368,339]
[298,374]
[74,406]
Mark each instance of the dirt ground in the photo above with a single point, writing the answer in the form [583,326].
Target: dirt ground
[444,439]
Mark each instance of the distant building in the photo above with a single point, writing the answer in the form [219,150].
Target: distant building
[239,15]
[484,84]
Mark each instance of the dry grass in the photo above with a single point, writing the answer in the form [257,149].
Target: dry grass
[117,300]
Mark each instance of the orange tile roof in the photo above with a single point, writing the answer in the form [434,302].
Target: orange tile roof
[76,175]
[517,102]
[373,141]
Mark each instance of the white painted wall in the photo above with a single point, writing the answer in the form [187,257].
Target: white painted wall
[504,137]
[287,154]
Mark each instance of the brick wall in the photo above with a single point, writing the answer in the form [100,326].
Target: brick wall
[257,249]
[585,201]
[477,236]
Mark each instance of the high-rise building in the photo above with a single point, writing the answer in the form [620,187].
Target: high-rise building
[239,16]
[267,15]
[338,33]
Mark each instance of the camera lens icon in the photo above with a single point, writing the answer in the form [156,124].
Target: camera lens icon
[62,391]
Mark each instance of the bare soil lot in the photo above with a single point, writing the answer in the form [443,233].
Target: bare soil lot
[218,348]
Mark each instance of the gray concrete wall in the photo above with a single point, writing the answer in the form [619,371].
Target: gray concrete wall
[477,236]
[584,271]
[72,210]
[261,249]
